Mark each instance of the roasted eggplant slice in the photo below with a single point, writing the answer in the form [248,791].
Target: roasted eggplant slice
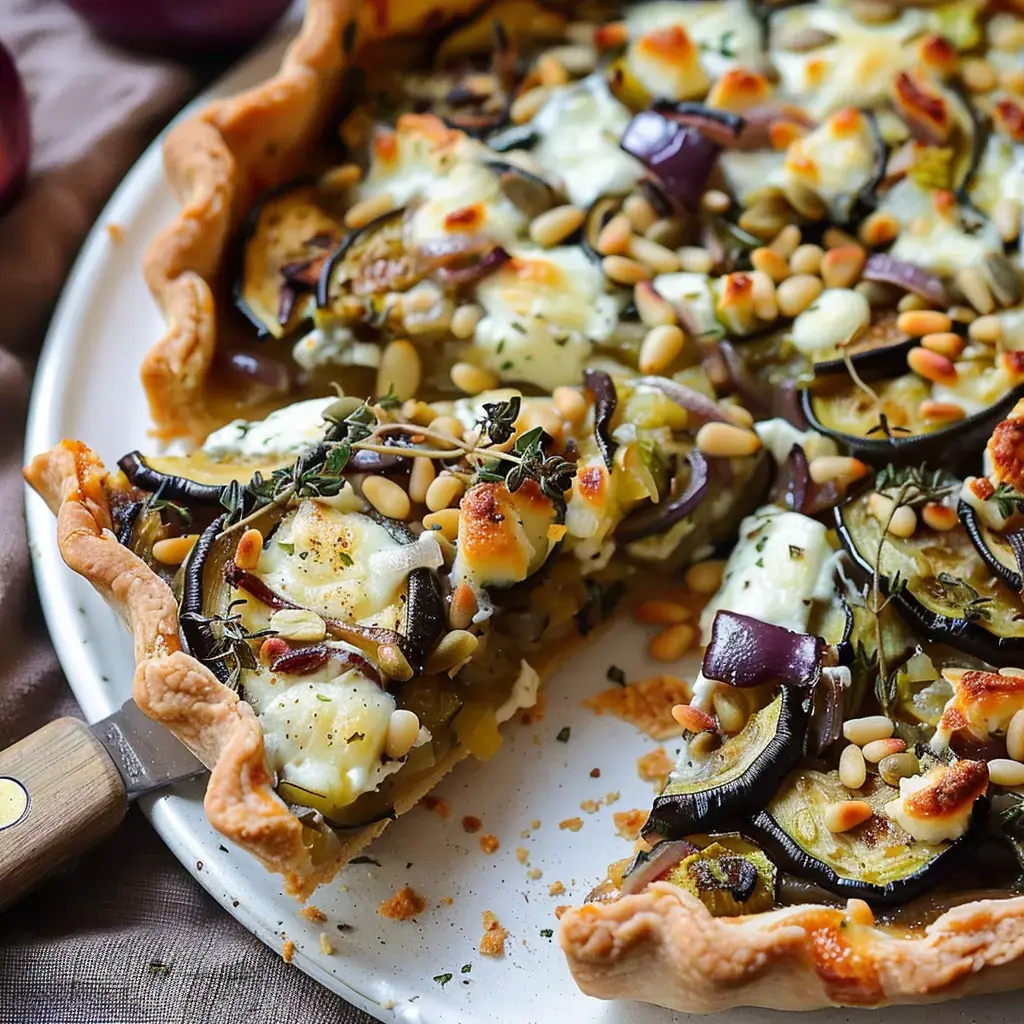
[737,778]
[876,861]
[996,549]
[283,246]
[947,593]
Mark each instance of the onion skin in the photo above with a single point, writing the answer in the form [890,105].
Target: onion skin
[600,385]
[653,519]
[686,398]
[889,270]
[747,652]
[799,492]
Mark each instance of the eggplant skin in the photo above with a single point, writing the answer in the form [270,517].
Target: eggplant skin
[955,446]
[961,633]
[679,814]
[174,488]
[972,524]
[789,855]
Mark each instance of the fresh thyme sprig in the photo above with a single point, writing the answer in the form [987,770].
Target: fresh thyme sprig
[918,485]
[957,592]
[1007,500]
[229,639]
[157,503]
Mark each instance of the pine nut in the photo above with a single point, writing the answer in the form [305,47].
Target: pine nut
[978,75]
[692,719]
[806,259]
[1006,216]
[1004,772]
[555,225]
[730,710]
[877,749]
[787,241]
[473,379]
[736,414]
[386,497]
[762,222]
[972,283]
[714,201]
[464,320]
[939,517]
[932,366]
[400,370]
[796,293]
[840,468]
[452,650]
[403,730]
[298,624]
[463,606]
[694,259]
[805,200]
[705,577]
[420,478]
[1015,737]
[772,263]
[443,492]
[527,105]
[448,426]
[339,179]
[551,70]
[445,521]
[661,613]
[417,412]
[625,271]
[986,329]
[766,303]
[660,348]
[962,314]
[701,745]
[724,441]
[853,771]
[570,403]
[174,550]
[879,228]
[841,267]
[672,643]
[250,545]
[654,311]
[910,302]
[835,237]
[360,214]
[640,212]
[860,912]
[903,522]
[659,258]
[613,238]
[919,322]
[849,814]
[946,343]
[669,232]
[894,767]
[864,730]
[941,412]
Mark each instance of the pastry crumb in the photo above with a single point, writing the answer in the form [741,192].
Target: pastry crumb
[595,773]
[435,803]
[116,232]
[534,873]
[655,766]
[493,941]
[561,909]
[471,823]
[629,823]
[525,834]
[312,913]
[522,855]
[647,704]
[535,824]
[590,806]
[447,901]
[610,798]
[325,945]
[531,716]
[489,843]
[288,951]
[571,824]
[404,904]
[556,889]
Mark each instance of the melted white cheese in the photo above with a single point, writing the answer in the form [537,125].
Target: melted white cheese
[932,829]
[692,291]
[334,345]
[580,128]
[523,695]
[779,436]
[834,317]
[287,431]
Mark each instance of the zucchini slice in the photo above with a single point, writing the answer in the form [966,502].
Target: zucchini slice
[949,594]
[739,777]
[876,861]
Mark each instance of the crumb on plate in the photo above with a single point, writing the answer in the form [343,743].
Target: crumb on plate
[535,824]
[595,773]
[556,889]
[534,873]
[435,803]
[325,945]
[471,823]
[116,232]
[312,913]
[571,824]
[655,766]
[489,843]
[647,704]
[288,951]
[404,904]
[531,716]
[629,823]
[561,909]
[493,941]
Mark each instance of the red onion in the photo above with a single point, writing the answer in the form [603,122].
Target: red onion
[908,276]
[652,519]
[473,272]
[827,712]
[600,385]
[181,27]
[747,652]
[799,492]
[15,131]
[716,125]
[649,867]
[686,397]
[681,158]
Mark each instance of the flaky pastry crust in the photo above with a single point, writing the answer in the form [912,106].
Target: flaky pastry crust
[663,946]
[220,160]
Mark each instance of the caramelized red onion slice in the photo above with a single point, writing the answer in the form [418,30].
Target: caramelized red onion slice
[909,276]
[648,867]
[601,386]
[794,486]
[655,519]
[717,125]
[462,259]
[686,397]
[827,711]
[304,660]
[681,157]
[745,651]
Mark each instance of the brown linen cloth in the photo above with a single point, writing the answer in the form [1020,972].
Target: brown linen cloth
[81,948]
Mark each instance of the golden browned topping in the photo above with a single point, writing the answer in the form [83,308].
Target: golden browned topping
[489,843]
[471,823]
[312,913]
[647,704]
[404,904]
[629,823]
[1006,450]
[571,824]
[655,766]
[961,784]
[493,941]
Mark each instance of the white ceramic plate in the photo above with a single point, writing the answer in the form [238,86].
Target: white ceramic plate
[87,387]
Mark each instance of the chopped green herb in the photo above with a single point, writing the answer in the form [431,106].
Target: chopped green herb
[442,979]
[563,735]
[346,559]
[796,552]
[355,737]
[466,968]
[547,932]
[616,675]
[155,967]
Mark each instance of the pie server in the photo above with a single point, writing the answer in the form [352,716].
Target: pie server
[67,786]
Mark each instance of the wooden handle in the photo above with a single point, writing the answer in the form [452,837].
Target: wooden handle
[59,794]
